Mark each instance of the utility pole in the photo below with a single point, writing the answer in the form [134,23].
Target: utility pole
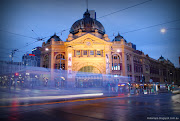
[12,55]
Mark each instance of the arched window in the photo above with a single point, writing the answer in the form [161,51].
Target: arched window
[116,62]
[60,62]
[60,56]
[116,57]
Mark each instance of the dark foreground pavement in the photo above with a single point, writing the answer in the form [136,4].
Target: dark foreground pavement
[123,108]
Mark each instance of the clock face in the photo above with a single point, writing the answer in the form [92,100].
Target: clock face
[88,43]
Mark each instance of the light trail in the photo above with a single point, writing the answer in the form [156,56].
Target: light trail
[77,100]
[53,97]
[74,100]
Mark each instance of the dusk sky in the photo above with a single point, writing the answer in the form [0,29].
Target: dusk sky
[45,17]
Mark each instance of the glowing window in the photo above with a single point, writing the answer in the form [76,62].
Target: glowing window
[78,52]
[92,52]
[115,66]
[98,52]
[119,66]
[85,52]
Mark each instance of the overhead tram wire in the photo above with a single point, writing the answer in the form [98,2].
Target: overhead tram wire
[148,27]
[17,34]
[33,31]
[109,14]
[124,9]
[151,26]
[112,12]
[37,39]
[40,39]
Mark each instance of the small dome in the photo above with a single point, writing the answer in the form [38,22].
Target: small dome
[87,24]
[55,37]
[118,38]
[161,58]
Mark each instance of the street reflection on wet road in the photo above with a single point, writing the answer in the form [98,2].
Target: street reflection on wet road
[124,108]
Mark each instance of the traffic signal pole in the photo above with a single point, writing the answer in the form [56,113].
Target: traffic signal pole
[12,55]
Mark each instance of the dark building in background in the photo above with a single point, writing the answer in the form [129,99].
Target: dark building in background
[29,60]
[32,59]
[37,52]
[8,67]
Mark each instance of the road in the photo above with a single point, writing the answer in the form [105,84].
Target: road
[163,106]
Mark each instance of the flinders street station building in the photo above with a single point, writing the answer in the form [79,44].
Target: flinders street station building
[89,49]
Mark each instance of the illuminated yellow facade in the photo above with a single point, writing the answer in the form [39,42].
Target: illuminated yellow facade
[88,49]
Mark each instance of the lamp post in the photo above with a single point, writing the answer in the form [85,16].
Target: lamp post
[60,63]
[61,69]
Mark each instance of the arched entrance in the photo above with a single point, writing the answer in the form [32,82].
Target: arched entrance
[60,62]
[89,76]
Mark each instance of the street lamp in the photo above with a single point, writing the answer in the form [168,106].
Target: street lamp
[118,50]
[163,30]
[47,49]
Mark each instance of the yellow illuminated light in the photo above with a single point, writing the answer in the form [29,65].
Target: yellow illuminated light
[47,49]
[163,30]
[63,78]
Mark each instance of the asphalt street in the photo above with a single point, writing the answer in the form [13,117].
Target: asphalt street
[165,106]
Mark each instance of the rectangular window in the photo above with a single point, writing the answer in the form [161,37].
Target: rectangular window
[119,66]
[78,52]
[115,66]
[92,52]
[146,67]
[98,52]
[85,52]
